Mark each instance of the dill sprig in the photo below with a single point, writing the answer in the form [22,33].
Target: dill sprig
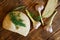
[38,18]
[15,21]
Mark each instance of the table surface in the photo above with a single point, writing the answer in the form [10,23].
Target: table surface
[39,34]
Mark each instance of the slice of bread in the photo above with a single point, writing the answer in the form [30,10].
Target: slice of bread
[9,25]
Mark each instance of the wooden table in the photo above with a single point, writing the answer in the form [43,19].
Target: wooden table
[40,34]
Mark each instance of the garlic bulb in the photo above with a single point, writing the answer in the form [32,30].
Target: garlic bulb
[39,8]
[36,24]
[48,26]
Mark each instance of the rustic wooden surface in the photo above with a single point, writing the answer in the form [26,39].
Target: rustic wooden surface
[39,34]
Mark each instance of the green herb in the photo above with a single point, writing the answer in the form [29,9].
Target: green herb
[15,21]
[31,14]
[38,18]
[36,24]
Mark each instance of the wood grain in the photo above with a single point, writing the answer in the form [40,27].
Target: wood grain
[39,34]
[56,36]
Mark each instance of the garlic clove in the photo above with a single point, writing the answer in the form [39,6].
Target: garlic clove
[36,25]
[50,29]
[39,7]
